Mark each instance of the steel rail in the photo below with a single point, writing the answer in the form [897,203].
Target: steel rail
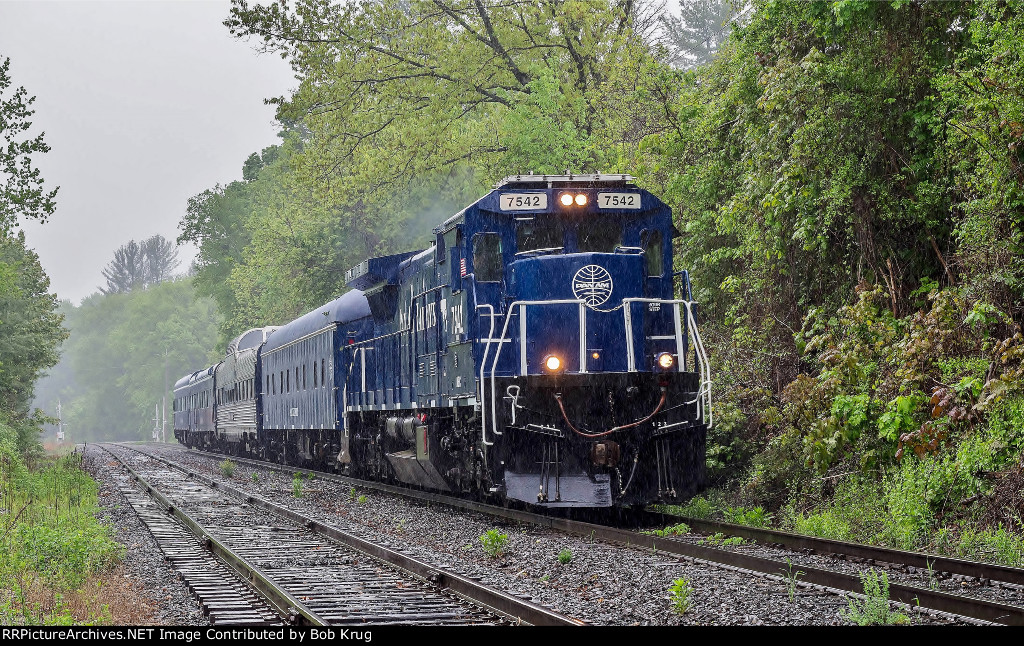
[286,604]
[825,546]
[944,602]
[496,600]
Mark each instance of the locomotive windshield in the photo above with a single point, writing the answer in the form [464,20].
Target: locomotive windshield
[531,235]
[598,239]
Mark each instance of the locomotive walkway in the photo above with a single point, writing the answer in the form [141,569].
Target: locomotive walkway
[308,572]
[995,596]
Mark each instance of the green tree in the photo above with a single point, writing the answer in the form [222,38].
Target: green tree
[30,326]
[22,194]
[140,264]
[124,348]
[694,36]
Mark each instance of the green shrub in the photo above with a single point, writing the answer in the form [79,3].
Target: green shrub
[756,517]
[494,543]
[671,530]
[698,507]
[874,610]
[680,592]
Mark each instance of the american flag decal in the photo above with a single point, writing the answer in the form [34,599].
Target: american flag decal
[462,267]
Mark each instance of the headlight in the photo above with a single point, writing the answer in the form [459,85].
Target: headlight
[566,199]
[552,363]
[581,199]
[666,360]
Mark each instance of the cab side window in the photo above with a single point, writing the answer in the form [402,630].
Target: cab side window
[654,253]
[487,257]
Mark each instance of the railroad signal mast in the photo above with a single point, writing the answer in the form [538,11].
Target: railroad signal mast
[60,424]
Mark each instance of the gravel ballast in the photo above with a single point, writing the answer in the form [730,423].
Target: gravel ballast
[601,583]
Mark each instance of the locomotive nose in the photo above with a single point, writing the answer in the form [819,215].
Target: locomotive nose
[571,308]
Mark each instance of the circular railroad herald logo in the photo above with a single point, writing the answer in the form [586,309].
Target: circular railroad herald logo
[592,284]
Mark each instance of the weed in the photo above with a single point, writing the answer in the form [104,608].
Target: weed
[756,517]
[714,539]
[874,610]
[352,493]
[227,467]
[933,580]
[494,543]
[698,507]
[400,525]
[255,477]
[565,556]
[362,500]
[791,579]
[733,541]
[545,578]
[297,485]
[672,530]
[679,592]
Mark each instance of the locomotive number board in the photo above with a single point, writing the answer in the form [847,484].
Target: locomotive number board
[618,200]
[523,201]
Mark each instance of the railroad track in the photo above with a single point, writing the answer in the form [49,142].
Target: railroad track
[309,573]
[965,605]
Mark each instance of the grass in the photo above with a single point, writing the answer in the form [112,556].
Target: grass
[791,579]
[227,467]
[672,530]
[52,547]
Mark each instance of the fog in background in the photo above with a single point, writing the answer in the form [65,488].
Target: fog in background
[144,105]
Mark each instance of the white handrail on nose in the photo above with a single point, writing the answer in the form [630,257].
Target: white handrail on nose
[703,398]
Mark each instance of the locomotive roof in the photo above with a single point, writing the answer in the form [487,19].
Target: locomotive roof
[561,181]
[350,306]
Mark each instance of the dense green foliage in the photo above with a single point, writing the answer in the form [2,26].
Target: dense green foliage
[29,323]
[847,177]
[125,353]
[51,542]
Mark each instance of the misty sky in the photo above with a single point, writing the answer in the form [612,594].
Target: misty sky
[144,105]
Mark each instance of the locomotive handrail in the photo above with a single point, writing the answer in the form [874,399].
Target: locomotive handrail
[702,359]
[522,343]
[703,398]
[483,408]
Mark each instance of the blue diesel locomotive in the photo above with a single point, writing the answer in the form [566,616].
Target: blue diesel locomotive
[536,351]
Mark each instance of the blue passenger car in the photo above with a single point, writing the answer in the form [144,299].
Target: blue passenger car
[194,409]
[301,381]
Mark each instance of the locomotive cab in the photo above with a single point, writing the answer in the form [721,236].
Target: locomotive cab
[536,351]
[594,386]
